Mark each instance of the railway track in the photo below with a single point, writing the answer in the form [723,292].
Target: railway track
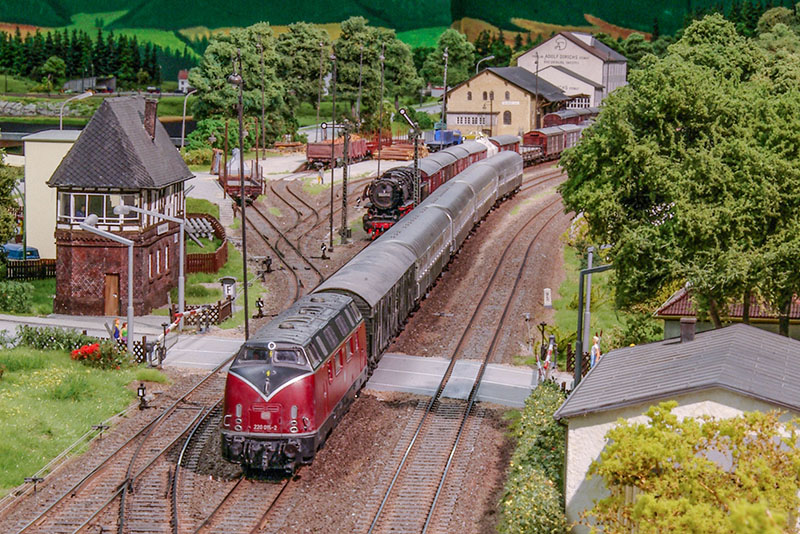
[126,490]
[409,503]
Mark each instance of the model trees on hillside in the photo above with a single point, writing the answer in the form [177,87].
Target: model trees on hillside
[460,61]
[299,61]
[691,172]
[217,97]
[717,476]
[400,76]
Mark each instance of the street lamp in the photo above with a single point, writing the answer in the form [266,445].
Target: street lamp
[319,89]
[380,110]
[183,122]
[81,96]
[236,80]
[90,225]
[333,143]
[443,120]
[122,209]
[360,70]
[487,58]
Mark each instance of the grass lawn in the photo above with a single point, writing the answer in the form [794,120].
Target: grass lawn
[13,84]
[204,288]
[201,205]
[47,401]
[614,323]
[209,245]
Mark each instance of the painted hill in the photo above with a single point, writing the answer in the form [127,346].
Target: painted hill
[398,14]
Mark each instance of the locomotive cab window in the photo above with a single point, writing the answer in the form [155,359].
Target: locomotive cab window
[249,354]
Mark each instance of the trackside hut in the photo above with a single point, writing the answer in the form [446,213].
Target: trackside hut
[721,373]
[123,156]
[501,101]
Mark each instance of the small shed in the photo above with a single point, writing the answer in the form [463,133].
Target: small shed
[721,373]
[123,156]
[680,305]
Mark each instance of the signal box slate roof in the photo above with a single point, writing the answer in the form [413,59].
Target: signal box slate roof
[115,151]
[739,358]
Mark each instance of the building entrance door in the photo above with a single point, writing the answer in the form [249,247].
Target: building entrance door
[111,295]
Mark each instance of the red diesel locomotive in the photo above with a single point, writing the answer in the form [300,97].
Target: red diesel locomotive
[292,381]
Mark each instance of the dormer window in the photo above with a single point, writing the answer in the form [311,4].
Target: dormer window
[73,208]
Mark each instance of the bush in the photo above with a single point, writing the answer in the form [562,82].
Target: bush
[531,501]
[44,338]
[205,128]
[198,156]
[15,296]
[105,355]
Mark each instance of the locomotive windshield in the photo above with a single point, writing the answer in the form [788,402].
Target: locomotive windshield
[279,356]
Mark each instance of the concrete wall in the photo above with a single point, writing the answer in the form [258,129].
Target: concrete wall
[586,440]
[43,154]
[519,103]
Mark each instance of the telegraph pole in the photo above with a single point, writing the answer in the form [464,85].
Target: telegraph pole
[443,120]
[343,231]
[360,69]
[319,90]
[333,146]
[415,130]
[380,111]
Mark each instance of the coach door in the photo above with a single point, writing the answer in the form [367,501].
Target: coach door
[111,294]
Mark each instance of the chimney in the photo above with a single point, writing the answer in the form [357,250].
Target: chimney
[688,327]
[150,109]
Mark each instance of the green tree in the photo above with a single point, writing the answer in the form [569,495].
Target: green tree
[217,97]
[8,206]
[400,76]
[299,61]
[715,476]
[54,72]
[460,61]
[688,171]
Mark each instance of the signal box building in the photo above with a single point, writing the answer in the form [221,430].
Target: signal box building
[580,65]
[123,156]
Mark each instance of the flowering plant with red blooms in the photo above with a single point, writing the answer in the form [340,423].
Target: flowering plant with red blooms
[106,355]
[86,352]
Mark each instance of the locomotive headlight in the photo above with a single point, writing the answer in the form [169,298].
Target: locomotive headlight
[238,410]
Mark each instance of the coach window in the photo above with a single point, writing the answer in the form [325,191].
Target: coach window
[469,95]
[337,362]
[506,117]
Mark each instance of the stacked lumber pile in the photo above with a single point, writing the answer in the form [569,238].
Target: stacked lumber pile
[401,152]
[292,146]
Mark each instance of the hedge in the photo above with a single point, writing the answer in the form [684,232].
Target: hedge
[531,501]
